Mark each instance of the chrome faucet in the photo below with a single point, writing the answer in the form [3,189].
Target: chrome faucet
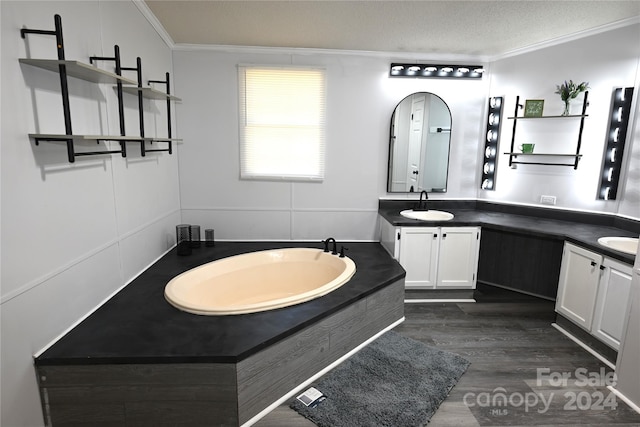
[422,204]
[335,245]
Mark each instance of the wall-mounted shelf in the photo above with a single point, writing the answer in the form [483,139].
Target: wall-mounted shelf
[576,156]
[77,69]
[60,137]
[93,74]
[149,93]
[549,117]
[72,153]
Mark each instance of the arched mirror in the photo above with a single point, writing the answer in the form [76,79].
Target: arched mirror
[419,144]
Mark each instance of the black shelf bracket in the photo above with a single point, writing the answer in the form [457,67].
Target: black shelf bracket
[585,103]
[138,70]
[166,82]
[116,59]
[513,133]
[62,71]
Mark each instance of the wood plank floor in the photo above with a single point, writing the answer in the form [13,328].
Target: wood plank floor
[507,337]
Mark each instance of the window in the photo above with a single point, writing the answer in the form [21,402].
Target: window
[282,121]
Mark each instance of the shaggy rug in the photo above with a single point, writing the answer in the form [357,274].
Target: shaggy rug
[394,381]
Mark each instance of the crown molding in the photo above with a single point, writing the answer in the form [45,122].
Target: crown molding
[151,18]
[401,56]
[568,38]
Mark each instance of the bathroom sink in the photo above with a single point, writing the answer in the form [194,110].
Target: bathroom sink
[628,245]
[429,215]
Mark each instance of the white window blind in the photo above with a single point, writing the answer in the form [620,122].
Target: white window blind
[282,123]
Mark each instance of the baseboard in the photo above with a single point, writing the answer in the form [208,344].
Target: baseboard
[624,398]
[437,300]
[584,346]
[412,295]
[520,291]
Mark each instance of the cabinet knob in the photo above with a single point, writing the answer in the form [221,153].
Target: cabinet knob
[593,263]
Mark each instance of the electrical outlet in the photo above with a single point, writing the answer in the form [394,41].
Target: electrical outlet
[548,200]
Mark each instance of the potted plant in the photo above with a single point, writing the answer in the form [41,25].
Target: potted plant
[569,91]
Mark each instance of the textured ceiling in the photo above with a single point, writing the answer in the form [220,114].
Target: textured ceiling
[474,28]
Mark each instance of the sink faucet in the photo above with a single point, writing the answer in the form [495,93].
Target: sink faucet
[422,204]
[335,245]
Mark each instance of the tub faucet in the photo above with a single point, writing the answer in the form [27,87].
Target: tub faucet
[422,204]
[335,245]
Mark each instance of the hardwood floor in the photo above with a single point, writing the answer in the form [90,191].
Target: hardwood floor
[507,337]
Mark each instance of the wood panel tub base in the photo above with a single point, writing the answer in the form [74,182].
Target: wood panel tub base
[214,394]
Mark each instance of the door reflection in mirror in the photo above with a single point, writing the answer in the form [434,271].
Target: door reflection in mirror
[419,144]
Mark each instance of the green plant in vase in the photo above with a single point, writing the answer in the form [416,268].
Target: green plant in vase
[570,91]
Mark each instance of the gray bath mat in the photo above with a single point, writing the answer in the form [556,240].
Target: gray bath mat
[394,381]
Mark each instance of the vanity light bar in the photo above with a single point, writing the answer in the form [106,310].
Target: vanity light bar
[436,71]
[489,166]
[616,137]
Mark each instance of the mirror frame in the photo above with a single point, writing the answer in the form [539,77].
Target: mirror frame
[391,143]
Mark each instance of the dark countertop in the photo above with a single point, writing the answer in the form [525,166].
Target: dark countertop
[138,325]
[582,229]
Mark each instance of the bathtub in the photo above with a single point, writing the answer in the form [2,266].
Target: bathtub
[258,281]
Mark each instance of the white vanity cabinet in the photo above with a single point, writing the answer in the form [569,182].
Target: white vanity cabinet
[418,255]
[593,292]
[611,302]
[578,285]
[434,257]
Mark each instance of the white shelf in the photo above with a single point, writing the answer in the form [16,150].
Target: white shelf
[149,93]
[515,154]
[79,70]
[62,137]
[548,117]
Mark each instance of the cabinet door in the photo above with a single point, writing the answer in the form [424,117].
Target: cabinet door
[578,286]
[388,237]
[611,303]
[419,256]
[458,257]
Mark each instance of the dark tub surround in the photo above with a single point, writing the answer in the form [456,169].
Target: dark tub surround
[138,360]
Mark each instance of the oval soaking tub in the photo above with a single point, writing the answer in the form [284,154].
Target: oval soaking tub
[258,281]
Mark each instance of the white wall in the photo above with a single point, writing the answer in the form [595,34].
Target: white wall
[72,234]
[606,61]
[360,99]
